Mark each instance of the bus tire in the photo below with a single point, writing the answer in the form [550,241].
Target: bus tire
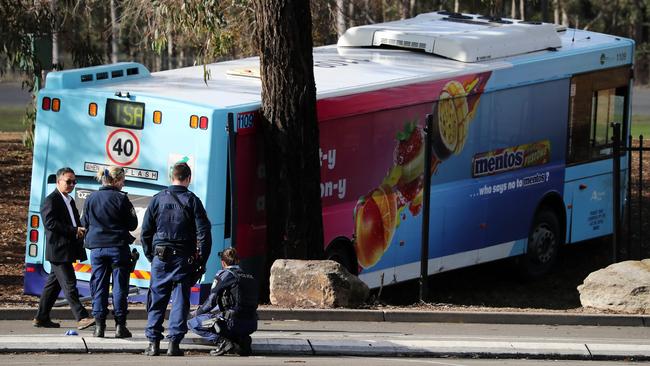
[341,251]
[543,245]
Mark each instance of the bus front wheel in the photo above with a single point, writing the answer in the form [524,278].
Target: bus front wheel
[343,253]
[543,245]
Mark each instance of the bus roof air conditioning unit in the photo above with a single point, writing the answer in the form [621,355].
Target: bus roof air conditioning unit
[460,37]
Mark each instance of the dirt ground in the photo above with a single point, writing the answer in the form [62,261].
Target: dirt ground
[16,165]
[491,286]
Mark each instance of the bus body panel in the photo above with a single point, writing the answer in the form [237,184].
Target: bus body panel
[589,194]
[466,226]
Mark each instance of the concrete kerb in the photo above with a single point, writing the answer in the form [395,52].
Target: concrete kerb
[532,318]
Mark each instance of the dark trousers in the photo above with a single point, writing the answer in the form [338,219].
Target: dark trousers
[106,263]
[61,276]
[233,329]
[169,279]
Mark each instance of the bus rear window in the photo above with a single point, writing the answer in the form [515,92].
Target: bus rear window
[597,100]
[121,113]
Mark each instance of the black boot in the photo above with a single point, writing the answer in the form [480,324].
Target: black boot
[224,345]
[121,331]
[245,346]
[100,328]
[173,349]
[153,349]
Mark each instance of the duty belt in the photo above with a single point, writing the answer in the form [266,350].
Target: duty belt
[165,252]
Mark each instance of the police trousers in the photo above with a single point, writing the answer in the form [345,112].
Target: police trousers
[234,328]
[170,279]
[106,263]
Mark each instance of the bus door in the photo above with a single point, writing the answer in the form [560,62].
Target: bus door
[249,188]
[597,99]
[140,204]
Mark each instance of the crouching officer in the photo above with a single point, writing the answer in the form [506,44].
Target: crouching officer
[229,315]
[174,225]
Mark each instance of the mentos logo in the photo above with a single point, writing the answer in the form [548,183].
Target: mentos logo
[511,158]
[493,164]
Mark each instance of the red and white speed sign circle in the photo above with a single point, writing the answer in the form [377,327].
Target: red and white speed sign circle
[122,147]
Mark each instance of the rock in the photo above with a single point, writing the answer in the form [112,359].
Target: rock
[622,287]
[315,284]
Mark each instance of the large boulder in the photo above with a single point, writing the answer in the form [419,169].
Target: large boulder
[315,284]
[622,287]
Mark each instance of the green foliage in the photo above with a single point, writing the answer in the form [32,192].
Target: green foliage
[10,118]
[21,22]
[24,22]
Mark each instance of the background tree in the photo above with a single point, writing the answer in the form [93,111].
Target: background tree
[24,28]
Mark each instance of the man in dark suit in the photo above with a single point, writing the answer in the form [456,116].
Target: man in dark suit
[64,238]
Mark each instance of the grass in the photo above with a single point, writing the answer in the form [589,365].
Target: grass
[640,126]
[11,118]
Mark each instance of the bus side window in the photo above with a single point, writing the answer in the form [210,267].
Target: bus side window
[608,105]
[597,100]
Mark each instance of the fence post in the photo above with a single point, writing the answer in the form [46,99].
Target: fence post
[628,198]
[616,189]
[424,253]
[640,192]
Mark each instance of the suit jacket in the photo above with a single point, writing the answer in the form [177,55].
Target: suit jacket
[61,235]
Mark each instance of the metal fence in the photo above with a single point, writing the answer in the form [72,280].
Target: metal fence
[628,241]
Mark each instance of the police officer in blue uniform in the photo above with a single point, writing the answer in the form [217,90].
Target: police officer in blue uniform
[228,316]
[176,240]
[108,217]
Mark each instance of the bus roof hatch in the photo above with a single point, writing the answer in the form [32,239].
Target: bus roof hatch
[461,37]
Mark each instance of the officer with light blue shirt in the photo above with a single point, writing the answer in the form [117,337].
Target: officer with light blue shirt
[176,239]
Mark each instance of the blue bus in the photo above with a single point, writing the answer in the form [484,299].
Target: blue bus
[521,145]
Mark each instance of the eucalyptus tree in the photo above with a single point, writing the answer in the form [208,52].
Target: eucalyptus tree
[294,222]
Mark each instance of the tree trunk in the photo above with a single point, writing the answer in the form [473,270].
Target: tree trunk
[405,9]
[642,61]
[513,9]
[170,48]
[56,62]
[544,4]
[556,11]
[340,17]
[293,203]
[115,33]
[522,9]
[456,6]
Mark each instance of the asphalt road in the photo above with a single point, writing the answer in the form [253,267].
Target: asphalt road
[641,101]
[11,94]
[197,360]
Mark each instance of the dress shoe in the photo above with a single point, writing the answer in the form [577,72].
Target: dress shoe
[173,349]
[153,349]
[121,331]
[45,323]
[85,323]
